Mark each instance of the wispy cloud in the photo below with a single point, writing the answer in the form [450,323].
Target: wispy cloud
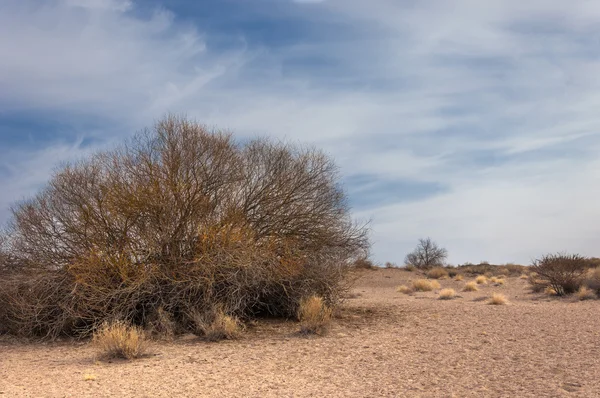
[472,122]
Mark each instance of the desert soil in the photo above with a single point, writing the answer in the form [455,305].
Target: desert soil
[381,344]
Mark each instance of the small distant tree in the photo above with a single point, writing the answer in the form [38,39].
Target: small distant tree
[426,255]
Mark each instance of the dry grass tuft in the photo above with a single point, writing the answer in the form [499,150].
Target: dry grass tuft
[447,294]
[459,277]
[217,325]
[404,289]
[549,290]
[524,276]
[89,377]
[437,273]
[585,293]
[120,340]
[481,280]
[499,282]
[424,285]
[470,287]
[497,299]
[409,267]
[314,315]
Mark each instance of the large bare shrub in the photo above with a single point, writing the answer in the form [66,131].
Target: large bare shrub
[182,219]
[426,255]
[564,272]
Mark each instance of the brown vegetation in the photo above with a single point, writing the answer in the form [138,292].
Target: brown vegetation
[497,299]
[470,287]
[447,294]
[437,273]
[564,272]
[120,340]
[181,219]
[314,315]
[424,285]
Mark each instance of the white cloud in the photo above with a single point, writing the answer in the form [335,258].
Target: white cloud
[433,84]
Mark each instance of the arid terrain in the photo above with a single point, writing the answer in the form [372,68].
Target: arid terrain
[381,343]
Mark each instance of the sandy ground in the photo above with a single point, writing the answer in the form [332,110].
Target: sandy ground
[382,344]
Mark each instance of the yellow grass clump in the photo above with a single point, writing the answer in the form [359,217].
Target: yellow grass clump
[314,315]
[424,285]
[585,294]
[470,287]
[549,290]
[497,299]
[404,289]
[217,325]
[524,276]
[120,340]
[459,277]
[481,280]
[437,273]
[499,282]
[89,377]
[447,294]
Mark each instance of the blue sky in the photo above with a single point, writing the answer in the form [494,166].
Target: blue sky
[473,122]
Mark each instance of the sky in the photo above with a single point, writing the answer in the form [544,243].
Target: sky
[471,122]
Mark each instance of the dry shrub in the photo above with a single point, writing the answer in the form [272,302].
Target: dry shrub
[470,287]
[216,325]
[409,267]
[497,299]
[364,263]
[424,285]
[493,279]
[585,293]
[500,282]
[592,280]
[437,273]
[564,272]
[404,289]
[181,218]
[523,276]
[162,325]
[459,277]
[120,340]
[481,280]
[447,294]
[314,315]
[390,265]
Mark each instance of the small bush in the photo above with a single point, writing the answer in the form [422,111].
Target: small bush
[564,272]
[437,273]
[120,340]
[424,285]
[500,282]
[447,294]
[404,289]
[216,325]
[585,294]
[481,280]
[470,287]
[549,291]
[409,267]
[592,280]
[523,276]
[458,277]
[390,265]
[497,299]
[314,315]
[364,263]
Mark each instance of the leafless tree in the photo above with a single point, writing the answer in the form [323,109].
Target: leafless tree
[426,255]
